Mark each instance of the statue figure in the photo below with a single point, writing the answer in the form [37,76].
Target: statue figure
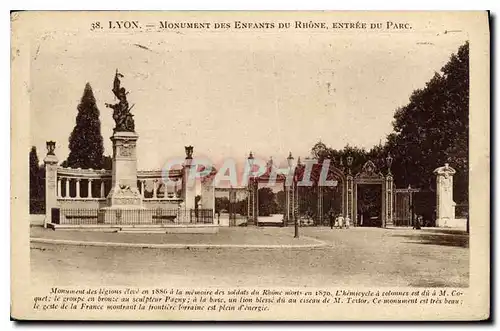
[51,147]
[189,152]
[124,120]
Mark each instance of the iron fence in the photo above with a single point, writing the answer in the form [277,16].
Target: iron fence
[131,216]
[201,216]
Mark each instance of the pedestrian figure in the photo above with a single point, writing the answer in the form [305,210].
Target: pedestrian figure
[417,223]
[347,222]
[336,225]
[341,222]
[331,218]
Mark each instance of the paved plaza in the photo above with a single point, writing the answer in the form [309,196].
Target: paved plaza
[265,256]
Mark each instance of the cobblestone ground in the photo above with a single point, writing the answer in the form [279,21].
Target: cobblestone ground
[353,257]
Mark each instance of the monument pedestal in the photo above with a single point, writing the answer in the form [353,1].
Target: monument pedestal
[124,199]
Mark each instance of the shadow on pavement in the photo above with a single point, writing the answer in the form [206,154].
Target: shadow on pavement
[446,231]
[434,283]
[424,238]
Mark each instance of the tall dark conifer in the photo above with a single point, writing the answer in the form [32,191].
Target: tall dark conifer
[37,183]
[34,172]
[86,143]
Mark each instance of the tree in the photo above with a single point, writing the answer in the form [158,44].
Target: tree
[433,129]
[86,143]
[107,162]
[37,183]
[267,201]
[221,204]
[359,155]
[241,207]
[281,201]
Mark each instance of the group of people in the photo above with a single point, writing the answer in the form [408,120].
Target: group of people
[340,222]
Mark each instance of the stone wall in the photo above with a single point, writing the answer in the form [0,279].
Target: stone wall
[81,203]
[163,204]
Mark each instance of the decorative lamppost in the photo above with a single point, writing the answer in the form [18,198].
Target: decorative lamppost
[389,160]
[289,160]
[251,194]
[291,167]
[389,188]
[350,212]
[349,163]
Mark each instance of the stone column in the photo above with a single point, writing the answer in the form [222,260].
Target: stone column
[89,188]
[66,195]
[102,189]
[50,161]
[142,188]
[59,188]
[155,188]
[445,206]
[77,188]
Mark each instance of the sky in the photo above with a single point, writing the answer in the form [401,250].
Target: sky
[233,92]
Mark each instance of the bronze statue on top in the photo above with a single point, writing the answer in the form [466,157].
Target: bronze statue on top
[124,120]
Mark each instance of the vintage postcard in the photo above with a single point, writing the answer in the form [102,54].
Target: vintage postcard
[250,166]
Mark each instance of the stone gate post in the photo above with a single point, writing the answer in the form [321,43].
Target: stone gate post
[350,206]
[50,161]
[445,206]
[189,180]
[208,195]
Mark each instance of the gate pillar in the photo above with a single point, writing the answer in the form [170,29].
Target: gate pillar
[389,199]
[50,181]
[350,200]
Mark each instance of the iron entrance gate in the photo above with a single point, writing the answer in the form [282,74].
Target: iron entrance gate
[410,203]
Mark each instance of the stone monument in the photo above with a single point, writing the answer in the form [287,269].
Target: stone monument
[51,162]
[124,193]
[188,179]
[445,206]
